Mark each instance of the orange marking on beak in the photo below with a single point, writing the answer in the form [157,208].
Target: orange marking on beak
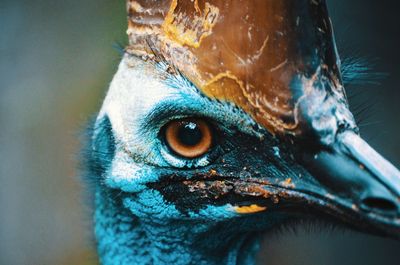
[254,208]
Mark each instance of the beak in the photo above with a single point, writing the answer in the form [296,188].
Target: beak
[349,182]
[360,182]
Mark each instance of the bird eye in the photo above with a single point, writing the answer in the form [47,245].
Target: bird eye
[189,138]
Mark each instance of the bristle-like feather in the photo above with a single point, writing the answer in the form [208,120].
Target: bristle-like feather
[296,226]
[360,71]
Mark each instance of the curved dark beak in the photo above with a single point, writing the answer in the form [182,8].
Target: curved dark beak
[359,180]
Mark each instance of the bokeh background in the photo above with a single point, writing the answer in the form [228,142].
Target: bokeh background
[56,61]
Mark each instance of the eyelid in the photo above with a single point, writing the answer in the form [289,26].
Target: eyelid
[173,108]
[168,111]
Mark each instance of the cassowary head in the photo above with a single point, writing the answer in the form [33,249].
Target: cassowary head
[227,118]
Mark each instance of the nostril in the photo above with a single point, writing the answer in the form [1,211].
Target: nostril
[380,204]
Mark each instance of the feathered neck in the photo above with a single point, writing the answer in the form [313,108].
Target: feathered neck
[125,239]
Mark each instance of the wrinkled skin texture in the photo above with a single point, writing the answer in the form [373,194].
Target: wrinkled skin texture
[286,146]
[275,57]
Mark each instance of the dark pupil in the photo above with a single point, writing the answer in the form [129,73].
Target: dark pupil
[189,134]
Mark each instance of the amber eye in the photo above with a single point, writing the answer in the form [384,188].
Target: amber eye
[189,138]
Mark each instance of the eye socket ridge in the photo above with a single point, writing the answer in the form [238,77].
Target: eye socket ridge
[189,138]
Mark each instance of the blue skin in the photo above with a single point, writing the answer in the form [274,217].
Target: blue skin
[136,224]
[156,232]
[127,239]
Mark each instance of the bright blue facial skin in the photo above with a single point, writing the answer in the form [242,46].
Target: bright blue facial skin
[126,239]
[140,227]
[135,224]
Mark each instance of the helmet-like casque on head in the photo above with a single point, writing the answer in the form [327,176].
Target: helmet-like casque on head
[277,60]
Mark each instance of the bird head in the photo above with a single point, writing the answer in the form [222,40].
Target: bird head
[225,110]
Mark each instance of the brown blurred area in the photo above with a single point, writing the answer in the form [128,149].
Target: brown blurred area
[56,61]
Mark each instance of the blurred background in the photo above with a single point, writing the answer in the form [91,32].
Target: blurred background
[56,61]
